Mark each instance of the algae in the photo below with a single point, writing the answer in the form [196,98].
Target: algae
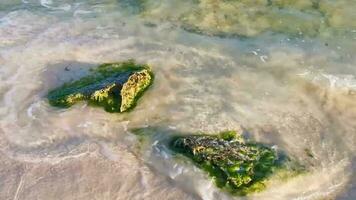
[133,88]
[235,165]
[114,86]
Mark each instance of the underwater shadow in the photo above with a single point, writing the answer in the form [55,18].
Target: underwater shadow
[56,74]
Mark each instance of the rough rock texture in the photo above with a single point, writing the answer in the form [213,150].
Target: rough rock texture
[235,165]
[114,86]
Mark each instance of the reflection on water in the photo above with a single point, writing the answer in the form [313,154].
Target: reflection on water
[294,91]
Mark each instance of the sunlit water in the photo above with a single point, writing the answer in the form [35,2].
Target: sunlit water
[296,92]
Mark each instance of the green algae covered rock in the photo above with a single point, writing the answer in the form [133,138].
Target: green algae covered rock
[115,86]
[235,165]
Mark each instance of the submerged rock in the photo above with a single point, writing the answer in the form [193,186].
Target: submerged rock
[238,166]
[251,18]
[114,86]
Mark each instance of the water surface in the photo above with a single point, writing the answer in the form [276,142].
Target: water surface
[289,84]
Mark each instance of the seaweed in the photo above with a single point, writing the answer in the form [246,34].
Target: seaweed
[235,165]
[114,86]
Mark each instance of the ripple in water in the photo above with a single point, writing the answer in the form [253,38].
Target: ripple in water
[296,92]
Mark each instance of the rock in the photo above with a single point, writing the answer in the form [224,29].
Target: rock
[251,18]
[234,164]
[114,86]
[238,166]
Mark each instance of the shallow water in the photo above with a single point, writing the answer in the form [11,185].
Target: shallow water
[281,85]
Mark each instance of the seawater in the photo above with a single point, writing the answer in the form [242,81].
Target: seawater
[287,79]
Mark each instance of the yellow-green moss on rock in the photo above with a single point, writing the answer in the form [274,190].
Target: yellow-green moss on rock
[133,88]
[235,165]
[114,86]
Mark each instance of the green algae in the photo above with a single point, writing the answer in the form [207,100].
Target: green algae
[114,86]
[235,165]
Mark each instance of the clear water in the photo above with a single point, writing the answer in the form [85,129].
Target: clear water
[291,85]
